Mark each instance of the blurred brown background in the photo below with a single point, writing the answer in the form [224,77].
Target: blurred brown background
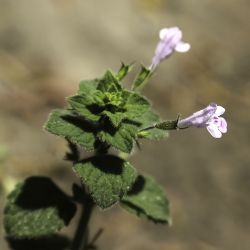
[48,46]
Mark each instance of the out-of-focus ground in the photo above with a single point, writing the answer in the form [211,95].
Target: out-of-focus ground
[47,47]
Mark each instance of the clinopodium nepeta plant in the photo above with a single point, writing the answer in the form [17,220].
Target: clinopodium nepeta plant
[103,115]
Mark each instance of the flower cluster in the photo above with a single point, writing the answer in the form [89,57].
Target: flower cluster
[209,117]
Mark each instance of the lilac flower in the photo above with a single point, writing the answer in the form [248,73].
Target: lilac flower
[208,117]
[170,41]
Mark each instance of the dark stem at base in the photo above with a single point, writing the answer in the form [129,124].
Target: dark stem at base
[80,241]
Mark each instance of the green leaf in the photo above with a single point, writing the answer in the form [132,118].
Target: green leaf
[148,119]
[90,95]
[123,71]
[132,106]
[136,105]
[153,134]
[121,138]
[141,78]
[63,123]
[85,107]
[147,199]
[108,178]
[88,86]
[37,208]
[109,83]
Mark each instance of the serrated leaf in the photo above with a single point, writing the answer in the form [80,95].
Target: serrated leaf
[64,124]
[147,199]
[141,78]
[123,71]
[88,86]
[149,118]
[85,107]
[121,138]
[108,178]
[37,208]
[89,93]
[109,83]
[132,106]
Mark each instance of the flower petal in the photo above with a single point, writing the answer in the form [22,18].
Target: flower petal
[182,47]
[163,50]
[199,118]
[169,33]
[210,108]
[219,111]
[163,32]
[214,131]
[222,125]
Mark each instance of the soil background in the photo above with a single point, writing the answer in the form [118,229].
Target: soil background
[48,46]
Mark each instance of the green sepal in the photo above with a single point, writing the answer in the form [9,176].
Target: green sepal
[147,199]
[123,71]
[109,83]
[141,78]
[107,177]
[65,124]
[167,125]
[37,208]
[121,138]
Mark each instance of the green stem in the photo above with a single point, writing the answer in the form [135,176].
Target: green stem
[80,241]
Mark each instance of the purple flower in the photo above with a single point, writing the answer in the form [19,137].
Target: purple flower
[208,117]
[170,41]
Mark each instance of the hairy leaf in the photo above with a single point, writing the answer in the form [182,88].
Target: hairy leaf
[108,178]
[86,108]
[121,138]
[136,105]
[88,86]
[37,208]
[147,199]
[64,123]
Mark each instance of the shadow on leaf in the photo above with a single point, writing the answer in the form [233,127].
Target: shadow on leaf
[41,192]
[55,242]
[137,186]
[110,129]
[108,164]
[95,109]
[81,123]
